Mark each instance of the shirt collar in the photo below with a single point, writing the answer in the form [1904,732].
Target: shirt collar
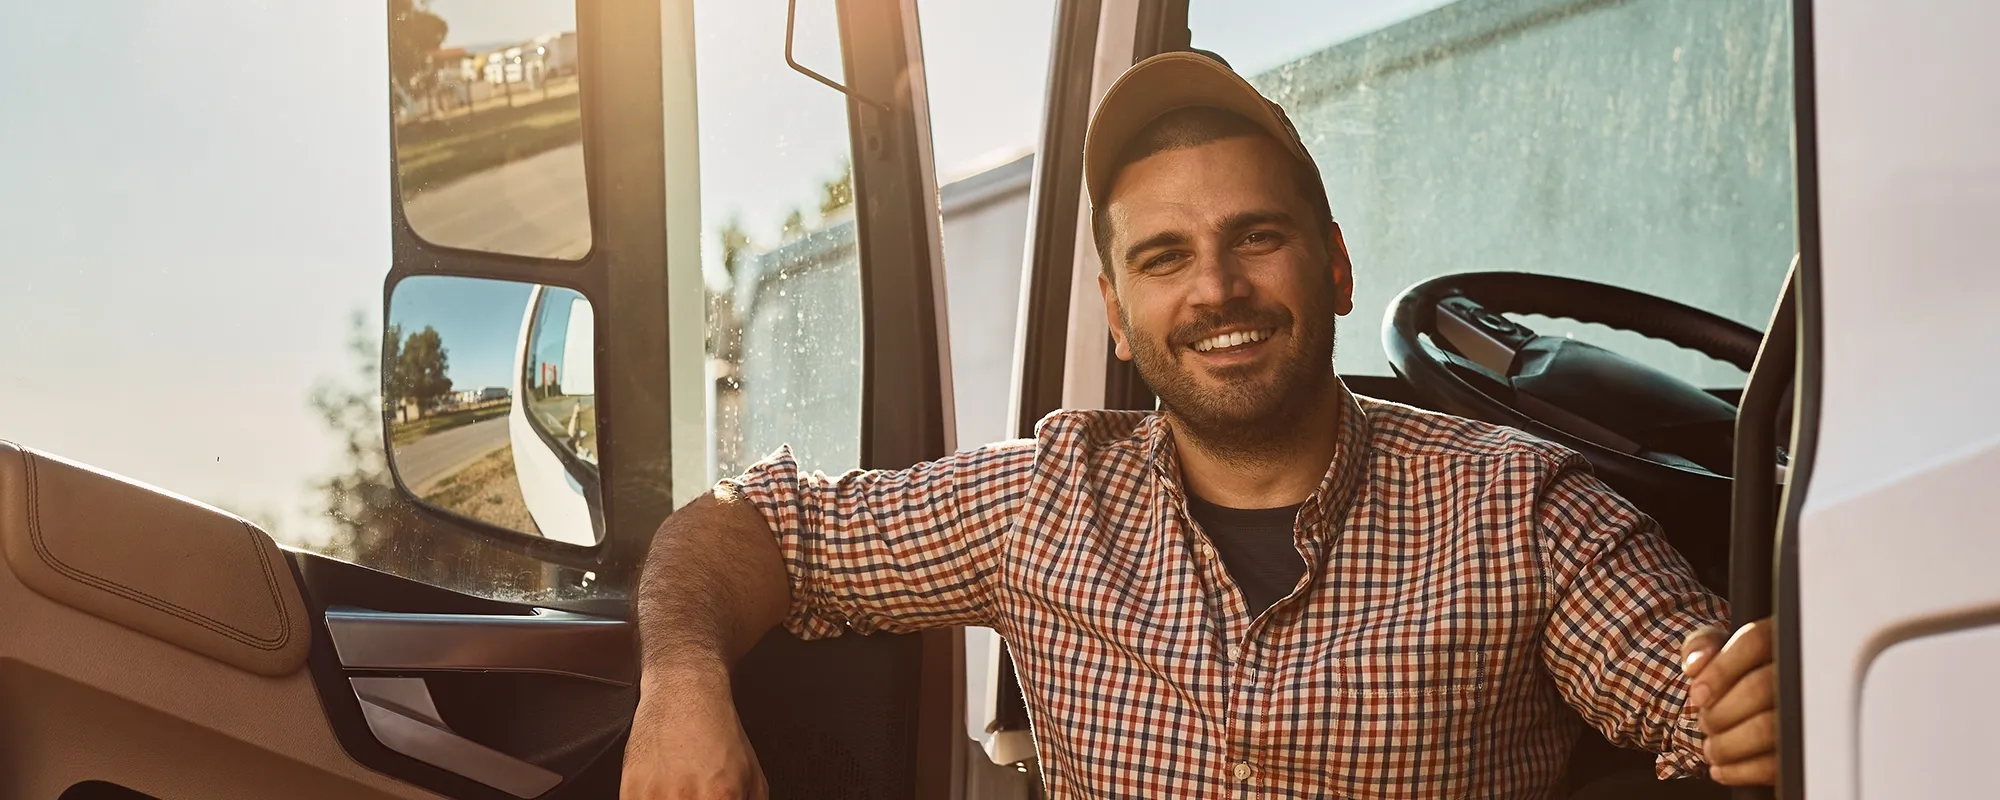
[1336,489]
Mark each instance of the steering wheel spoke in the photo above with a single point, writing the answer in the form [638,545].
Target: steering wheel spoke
[1486,337]
[1487,380]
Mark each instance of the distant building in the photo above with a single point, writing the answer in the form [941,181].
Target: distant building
[465,76]
[475,396]
[786,366]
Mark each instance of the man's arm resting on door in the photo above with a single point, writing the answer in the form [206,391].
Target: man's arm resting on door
[867,551]
[712,585]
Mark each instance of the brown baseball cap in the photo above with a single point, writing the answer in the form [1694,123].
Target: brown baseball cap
[1167,82]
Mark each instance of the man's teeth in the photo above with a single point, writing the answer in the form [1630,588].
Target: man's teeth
[1222,340]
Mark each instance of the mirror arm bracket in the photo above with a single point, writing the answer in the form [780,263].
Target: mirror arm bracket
[791,19]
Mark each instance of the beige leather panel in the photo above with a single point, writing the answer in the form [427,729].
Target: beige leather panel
[151,561]
[85,699]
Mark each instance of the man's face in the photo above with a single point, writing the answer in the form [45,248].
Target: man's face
[1223,289]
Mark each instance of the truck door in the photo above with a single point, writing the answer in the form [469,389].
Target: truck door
[630,247]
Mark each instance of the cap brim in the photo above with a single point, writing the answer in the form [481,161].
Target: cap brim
[1164,83]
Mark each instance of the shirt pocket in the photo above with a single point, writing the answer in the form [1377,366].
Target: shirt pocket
[1402,722]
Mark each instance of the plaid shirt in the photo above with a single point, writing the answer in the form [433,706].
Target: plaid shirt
[1467,585]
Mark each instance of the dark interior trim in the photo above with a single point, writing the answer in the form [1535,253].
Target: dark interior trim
[1754,510]
[1053,198]
[1163,28]
[902,399]
[322,579]
[904,413]
[1807,388]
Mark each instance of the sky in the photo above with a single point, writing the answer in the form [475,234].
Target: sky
[1256,35]
[479,322]
[476,22]
[195,204]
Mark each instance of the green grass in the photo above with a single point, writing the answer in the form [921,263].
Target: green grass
[486,490]
[430,154]
[407,432]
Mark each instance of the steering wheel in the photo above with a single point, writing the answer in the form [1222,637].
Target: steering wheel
[1656,438]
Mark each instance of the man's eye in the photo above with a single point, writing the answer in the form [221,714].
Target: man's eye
[1161,260]
[1260,239]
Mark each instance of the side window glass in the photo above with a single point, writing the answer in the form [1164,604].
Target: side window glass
[1645,145]
[779,249]
[986,66]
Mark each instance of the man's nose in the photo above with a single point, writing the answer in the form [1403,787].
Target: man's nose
[1219,277]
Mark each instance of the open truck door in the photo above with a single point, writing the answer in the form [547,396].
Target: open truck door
[553,354]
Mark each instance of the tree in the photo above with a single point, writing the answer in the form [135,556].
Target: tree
[838,193]
[415,34]
[736,246]
[725,336]
[423,370]
[794,226]
[393,390]
[377,526]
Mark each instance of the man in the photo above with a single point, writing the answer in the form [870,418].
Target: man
[1271,588]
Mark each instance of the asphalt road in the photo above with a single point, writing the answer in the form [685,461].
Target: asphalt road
[533,207]
[426,461]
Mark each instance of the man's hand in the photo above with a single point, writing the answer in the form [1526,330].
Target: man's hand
[1733,686]
[687,744]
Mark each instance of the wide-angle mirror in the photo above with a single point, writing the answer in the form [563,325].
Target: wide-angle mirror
[486,106]
[489,398]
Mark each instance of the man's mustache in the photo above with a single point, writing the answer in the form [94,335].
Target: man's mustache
[1208,323]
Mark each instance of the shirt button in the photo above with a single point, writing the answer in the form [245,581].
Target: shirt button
[1243,771]
[1207,551]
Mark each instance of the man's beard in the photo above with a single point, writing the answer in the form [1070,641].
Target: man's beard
[1254,413]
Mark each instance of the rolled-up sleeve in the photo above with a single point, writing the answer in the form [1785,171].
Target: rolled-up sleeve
[884,550]
[1623,601]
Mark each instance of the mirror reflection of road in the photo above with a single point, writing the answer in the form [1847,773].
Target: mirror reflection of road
[425,462]
[534,206]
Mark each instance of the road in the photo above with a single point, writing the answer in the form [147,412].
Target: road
[533,207]
[425,462]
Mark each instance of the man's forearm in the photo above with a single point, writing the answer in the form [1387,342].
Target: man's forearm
[713,584]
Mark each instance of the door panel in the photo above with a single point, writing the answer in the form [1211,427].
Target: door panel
[498,688]
[87,695]
[159,645]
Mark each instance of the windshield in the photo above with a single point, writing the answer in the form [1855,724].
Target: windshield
[1646,145]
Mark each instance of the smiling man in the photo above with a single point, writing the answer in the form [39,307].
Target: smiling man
[1270,587]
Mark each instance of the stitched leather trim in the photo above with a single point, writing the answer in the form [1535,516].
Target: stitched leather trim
[285,625]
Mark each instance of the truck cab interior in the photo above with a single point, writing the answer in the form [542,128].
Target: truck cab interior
[1595,221]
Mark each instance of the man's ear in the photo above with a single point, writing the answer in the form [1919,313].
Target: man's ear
[1112,315]
[1343,270]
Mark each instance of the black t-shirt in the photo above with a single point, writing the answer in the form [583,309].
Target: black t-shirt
[1255,545]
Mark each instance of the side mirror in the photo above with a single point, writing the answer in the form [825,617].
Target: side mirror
[489,400]
[486,106]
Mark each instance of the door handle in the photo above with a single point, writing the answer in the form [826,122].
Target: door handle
[547,641]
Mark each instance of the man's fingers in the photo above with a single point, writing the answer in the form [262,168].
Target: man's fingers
[1699,648]
[1749,649]
[1754,694]
[1753,738]
[1759,771]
